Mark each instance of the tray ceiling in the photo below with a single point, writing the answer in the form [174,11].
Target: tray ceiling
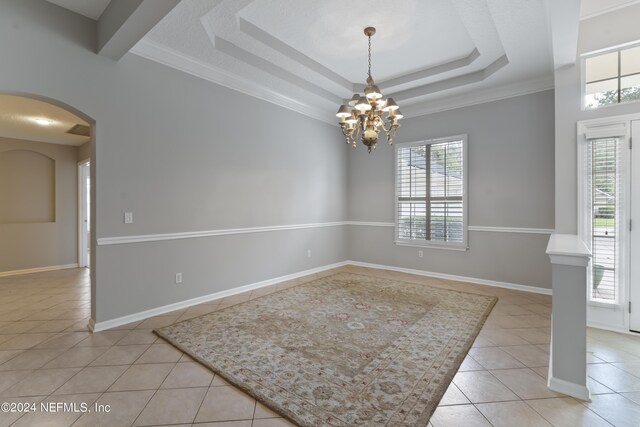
[309,56]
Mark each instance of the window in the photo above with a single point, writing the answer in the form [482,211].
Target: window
[431,190]
[612,77]
[604,159]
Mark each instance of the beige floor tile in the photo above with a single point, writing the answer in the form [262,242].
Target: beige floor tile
[634,396]
[218,381]
[533,335]
[494,358]
[189,374]
[53,326]
[613,378]
[458,416]
[631,367]
[9,418]
[21,327]
[542,309]
[525,383]
[611,354]
[172,406]
[64,340]
[143,377]
[481,386]
[273,422]
[596,387]
[120,355]
[567,412]
[102,339]
[263,411]
[76,357]
[58,416]
[124,408]
[509,414]
[226,404]
[616,409]
[469,364]
[9,378]
[453,396]
[503,336]
[157,322]
[41,382]
[6,355]
[31,359]
[25,341]
[93,379]
[145,336]
[160,353]
[245,423]
[530,355]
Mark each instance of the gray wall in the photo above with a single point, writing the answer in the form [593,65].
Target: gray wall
[511,184]
[51,236]
[182,154]
[84,151]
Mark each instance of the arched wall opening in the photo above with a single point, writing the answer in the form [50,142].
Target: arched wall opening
[33,128]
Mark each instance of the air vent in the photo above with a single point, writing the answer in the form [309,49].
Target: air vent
[81,130]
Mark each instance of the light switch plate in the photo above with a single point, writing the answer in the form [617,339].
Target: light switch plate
[128,217]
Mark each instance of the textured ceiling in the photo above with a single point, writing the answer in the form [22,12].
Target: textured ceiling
[309,55]
[591,8]
[18,115]
[89,8]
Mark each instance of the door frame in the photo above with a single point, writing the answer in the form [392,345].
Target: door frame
[83,200]
[604,315]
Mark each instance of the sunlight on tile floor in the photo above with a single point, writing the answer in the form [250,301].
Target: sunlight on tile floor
[47,355]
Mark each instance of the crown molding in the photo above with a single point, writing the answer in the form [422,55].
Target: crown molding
[609,10]
[179,61]
[480,97]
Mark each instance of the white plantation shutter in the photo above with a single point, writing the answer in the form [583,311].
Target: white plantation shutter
[431,192]
[605,208]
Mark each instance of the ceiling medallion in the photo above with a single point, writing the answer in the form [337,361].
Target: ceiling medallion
[365,120]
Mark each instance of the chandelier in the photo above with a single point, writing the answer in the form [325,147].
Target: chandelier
[365,119]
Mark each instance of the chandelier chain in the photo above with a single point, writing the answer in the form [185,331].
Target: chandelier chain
[369,56]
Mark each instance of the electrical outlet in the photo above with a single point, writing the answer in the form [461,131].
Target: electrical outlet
[420,254]
[128,217]
[178,277]
[308,253]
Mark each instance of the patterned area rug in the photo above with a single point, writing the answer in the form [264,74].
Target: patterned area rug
[343,350]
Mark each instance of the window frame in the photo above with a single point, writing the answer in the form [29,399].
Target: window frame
[619,76]
[459,246]
[607,127]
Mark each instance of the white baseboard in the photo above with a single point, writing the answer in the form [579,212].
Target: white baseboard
[514,286]
[38,269]
[135,317]
[611,327]
[578,391]
[108,324]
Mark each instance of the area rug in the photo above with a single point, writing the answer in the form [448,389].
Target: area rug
[343,350]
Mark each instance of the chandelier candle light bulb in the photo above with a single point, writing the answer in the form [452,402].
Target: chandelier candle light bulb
[365,120]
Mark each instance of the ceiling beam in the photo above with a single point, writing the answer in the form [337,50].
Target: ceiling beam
[564,23]
[125,22]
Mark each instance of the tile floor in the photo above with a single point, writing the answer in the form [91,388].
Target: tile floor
[47,355]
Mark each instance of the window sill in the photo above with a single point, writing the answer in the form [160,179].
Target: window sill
[448,247]
[610,305]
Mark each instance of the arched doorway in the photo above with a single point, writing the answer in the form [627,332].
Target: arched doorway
[45,140]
